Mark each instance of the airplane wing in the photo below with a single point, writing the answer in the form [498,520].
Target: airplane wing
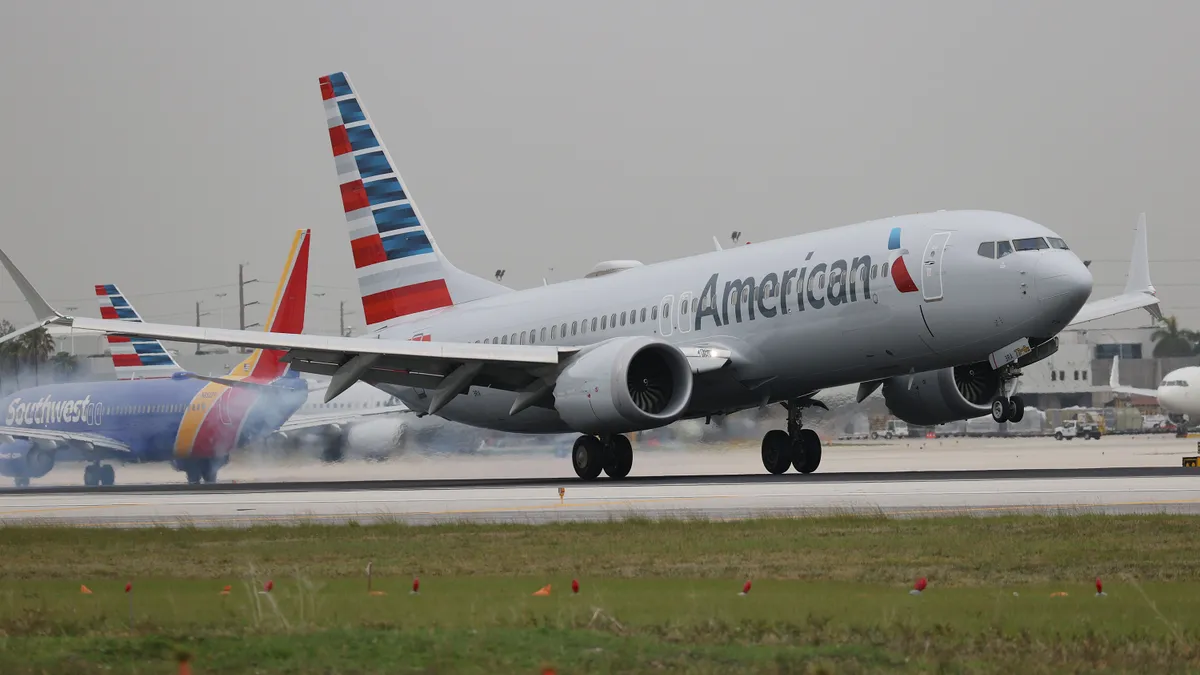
[1139,291]
[95,440]
[447,369]
[314,421]
[1114,383]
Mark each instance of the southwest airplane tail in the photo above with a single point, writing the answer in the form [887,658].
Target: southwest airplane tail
[401,271]
[157,411]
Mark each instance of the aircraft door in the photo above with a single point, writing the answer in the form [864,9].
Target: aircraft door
[931,266]
[684,315]
[664,315]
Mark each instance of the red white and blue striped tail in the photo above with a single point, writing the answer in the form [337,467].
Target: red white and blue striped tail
[401,270]
[134,358]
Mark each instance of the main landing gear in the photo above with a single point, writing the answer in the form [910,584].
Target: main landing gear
[612,454]
[796,447]
[199,469]
[1007,408]
[99,474]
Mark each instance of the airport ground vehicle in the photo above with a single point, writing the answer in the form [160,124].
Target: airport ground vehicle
[1072,429]
[891,429]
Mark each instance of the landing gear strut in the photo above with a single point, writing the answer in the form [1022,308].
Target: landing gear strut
[99,474]
[1006,407]
[199,469]
[797,447]
[611,454]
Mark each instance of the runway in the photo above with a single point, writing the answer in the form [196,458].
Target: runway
[1116,475]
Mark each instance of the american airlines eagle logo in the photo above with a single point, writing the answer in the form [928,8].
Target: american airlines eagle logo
[901,277]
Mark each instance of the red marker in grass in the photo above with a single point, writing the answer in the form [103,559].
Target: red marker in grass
[918,587]
[745,586]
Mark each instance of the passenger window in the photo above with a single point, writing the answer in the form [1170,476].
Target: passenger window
[695,304]
[563,330]
[874,271]
[683,306]
[543,333]
[1003,248]
[573,323]
[622,318]
[513,339]
[654,313]
[504,340]
[643,315]
[495,340]
[883,271]
[522,337]
[603,322]
[666,310]
[613,321]
[594,321]
[632,317]
[553,332]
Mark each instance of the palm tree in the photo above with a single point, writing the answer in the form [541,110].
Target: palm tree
[36,347]
[9,352]
[1171,340]
[64,365]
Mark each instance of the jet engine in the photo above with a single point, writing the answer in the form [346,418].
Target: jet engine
[939,396]
[26,459]
[623,385]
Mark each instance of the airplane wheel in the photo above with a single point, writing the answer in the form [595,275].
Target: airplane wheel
[776,451]
[208,471]
[91,475]
[1001,409]
[193,473]
[809,459]
[588,457]
[107,474]
[620,457]
[1016,409]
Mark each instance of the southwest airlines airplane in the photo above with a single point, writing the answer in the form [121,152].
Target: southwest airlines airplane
[940,310]
[1178,394]
[156,411]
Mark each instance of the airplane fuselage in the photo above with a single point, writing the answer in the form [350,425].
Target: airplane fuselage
[799,314]
[159,419]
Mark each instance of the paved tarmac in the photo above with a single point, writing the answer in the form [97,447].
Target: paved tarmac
[908,478]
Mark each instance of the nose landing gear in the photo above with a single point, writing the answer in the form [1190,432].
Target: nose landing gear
[797,447]
[1008,407]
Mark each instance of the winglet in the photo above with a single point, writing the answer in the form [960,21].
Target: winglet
[42,310]
[717,243]
[1139,291]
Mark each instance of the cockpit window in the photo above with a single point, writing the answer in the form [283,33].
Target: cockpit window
[1003,248]
[1055,242]
[1175,383]
[988,249]
[1030,244]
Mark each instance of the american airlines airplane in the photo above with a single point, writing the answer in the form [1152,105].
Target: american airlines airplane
[1178,394]
[939,310]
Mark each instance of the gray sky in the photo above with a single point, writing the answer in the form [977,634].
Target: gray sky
[154,144]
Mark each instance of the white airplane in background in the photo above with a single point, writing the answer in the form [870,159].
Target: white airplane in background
[1178,394]
[362,422]
[939,310]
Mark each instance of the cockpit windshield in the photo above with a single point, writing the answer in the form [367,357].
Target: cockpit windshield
[1030,244]
[1175,383]
[1055,242]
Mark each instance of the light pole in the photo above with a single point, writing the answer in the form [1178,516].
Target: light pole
[221,309]
[72,310]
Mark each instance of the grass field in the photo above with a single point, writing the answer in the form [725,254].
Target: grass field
[829,595]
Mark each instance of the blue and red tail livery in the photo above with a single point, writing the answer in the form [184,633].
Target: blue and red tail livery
[900,275]
[134,358]
[400,269]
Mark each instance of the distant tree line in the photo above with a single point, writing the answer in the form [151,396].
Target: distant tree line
[32,358]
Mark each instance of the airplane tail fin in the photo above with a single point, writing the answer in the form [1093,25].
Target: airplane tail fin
[1114,379]
[134,358]
[286,314]
[401,270]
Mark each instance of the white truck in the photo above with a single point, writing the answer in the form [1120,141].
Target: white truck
[892,429]
[1074,429]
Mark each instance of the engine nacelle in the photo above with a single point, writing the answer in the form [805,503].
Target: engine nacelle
[623,385]
[25,459]
[939,396]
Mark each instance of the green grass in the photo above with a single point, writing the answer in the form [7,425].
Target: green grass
[829,595]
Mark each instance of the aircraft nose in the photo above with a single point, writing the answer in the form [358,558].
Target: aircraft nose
[1064,281]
